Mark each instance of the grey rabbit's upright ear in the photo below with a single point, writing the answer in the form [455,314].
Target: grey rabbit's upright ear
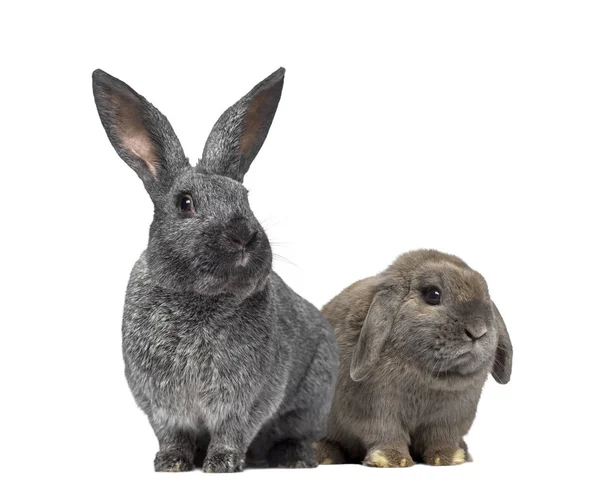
[140,134]
[373,334]
[504,352]
[240,132]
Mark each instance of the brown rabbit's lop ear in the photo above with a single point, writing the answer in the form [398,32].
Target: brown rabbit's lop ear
[504,352]
[374,333]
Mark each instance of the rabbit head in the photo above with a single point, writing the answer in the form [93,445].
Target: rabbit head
[204,238]
[434,312]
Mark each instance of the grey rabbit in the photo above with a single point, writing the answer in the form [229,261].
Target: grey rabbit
[228,363]
[416,345]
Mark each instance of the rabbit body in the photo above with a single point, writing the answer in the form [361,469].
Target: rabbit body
[227,362]
[207,365]
[409,383]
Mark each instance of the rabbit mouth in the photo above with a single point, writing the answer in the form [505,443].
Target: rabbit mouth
[469,361]
[245,262]
[245,272]
[242,259]
[465,360]
[453,363]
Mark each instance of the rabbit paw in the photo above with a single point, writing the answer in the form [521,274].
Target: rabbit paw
[222,461]
[298,464]
[447,457]
[329,452]
[388,457]
[172,461]
[291,454]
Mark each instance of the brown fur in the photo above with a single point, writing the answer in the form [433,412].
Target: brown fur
[406,391]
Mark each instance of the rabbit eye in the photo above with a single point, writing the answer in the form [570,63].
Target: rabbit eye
[186,204]
[432,295]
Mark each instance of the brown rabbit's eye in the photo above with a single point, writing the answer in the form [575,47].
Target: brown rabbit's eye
[186,204]
[432,295]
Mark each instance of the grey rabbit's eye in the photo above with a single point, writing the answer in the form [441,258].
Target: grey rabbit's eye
[186,204]
[432,295]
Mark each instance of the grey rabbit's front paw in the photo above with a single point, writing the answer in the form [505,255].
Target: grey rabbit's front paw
[172,461]
[223,461]
[293,454]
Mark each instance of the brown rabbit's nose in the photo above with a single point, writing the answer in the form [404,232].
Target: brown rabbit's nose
[475,332]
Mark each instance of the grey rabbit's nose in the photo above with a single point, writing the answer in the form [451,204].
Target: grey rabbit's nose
[241,235]
[244,242]
[475,332]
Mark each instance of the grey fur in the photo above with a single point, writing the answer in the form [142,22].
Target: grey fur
[223,357]
[411,373]
[222,153]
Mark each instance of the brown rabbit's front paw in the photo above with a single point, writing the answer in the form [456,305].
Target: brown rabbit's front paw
[329,452]
[468,456]
[388,457]
[455,456]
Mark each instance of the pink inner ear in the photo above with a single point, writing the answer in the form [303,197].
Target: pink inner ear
[253,122]
[133,135]
[139,145]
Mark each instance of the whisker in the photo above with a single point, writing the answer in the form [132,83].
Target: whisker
[267,225]
[278,243]
[285,260]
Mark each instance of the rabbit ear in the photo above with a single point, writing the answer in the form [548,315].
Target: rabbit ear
[373,334]
[140,134]
[240,132]
[504,352]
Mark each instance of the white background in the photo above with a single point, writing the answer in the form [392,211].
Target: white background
[471,127]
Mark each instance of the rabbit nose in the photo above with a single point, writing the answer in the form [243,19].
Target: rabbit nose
[243,241]
[240,234]
[475,332]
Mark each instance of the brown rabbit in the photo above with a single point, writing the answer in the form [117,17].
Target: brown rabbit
[416,345]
